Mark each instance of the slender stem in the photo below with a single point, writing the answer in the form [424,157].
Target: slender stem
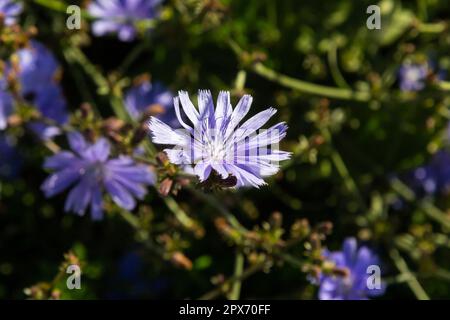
[430,210]
[222,210]
[238,269]
[310,88]
[179,213]
[343,170]
[412,281]
[334,67]
[245,274]
[300,85]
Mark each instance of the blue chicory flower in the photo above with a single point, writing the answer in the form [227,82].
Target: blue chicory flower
[120,16]
[215,141]
[10,160]
[6,105]
[140,98]
[90,170]
[412,76]
[37,68]
[10,10]
[354,285]
[432,178]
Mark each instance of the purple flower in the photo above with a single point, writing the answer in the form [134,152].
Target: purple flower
[38,86]
[353,286]
[37,68]
[120,16]
[140,98]
[10,160]
[10,10]
[412,76]
[215,141]
[90,171]
[432,178]
[6,105]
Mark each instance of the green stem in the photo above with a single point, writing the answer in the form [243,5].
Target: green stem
[430,210]
[310,88]
[412,281]
[222,210]
[339,163]
[245,274]
[334,67]
[238,269]
[179,213]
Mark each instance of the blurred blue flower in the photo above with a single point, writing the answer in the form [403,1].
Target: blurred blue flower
[140,99]
[432,178]
[412,76]
[10,9]
[37,75]
[6,105]
[354,285]
[37,68]
[52,105]
[91,170]
[120,16]
[217,142]
[10,160]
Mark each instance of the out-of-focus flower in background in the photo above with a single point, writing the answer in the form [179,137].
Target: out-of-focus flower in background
[433,177]
[352,286]
[412,76]
[121,16]
[91,170]
[6,105]
[10,10]
[37,70]
[217,142]
[10,160]
[151,98]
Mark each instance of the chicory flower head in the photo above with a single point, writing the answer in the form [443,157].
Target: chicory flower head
[140,99]
[216,141]
[120,16]
[37,69]
[354,285]
[91,171]
[412,76]
[10,10]
[6,105]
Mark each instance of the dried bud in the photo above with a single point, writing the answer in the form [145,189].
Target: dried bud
[325,228]
[340,272]
[86,110]
[162,158]
[276,220]
[180,260]
[165,187]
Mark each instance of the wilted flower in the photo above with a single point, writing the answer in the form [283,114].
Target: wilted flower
[353,285]
[91,170]
[146,96]
[121,16]
[10,160]
[412,76]
[215,141]
[10,9]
